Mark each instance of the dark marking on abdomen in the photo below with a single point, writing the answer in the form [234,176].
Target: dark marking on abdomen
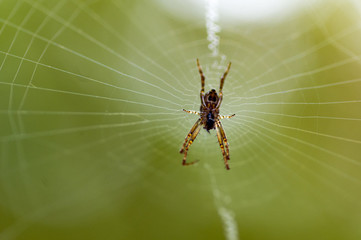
[210,122]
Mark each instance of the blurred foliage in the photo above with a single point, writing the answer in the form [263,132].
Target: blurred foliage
[91,98]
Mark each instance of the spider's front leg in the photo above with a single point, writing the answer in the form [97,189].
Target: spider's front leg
[203,78]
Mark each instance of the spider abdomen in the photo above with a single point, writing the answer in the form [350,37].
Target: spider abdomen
[210,121]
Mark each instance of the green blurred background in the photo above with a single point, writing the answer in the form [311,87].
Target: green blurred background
[91,99]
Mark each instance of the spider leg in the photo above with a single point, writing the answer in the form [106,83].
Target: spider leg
[191,112]
[222,140]
[202,83]
[202,77]
[223,78]
[222,83]
[190,134]
[222,116]
[223,132]
[189,140]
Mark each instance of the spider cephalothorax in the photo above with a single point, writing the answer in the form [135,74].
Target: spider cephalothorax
[209,118]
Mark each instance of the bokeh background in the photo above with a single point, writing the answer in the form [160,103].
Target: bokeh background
[91,99]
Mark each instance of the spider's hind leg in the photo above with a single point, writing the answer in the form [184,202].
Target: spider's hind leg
[189,140]
[222,140]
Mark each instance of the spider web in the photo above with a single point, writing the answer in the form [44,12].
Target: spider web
[92,94]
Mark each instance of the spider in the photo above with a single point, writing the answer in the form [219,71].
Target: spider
[209,118]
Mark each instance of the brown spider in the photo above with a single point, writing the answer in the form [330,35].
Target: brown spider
[209,118]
